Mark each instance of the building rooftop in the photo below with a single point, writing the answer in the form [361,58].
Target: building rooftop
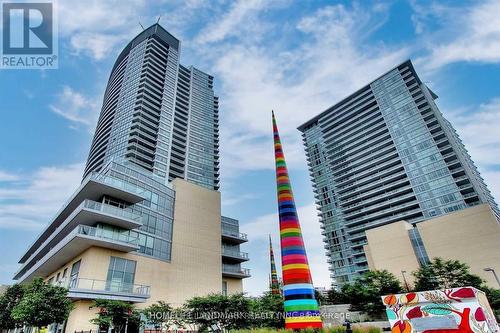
[357,92]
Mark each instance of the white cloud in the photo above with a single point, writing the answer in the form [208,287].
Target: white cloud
[259,231]
[6,176]
[231,200]
[76,107]
[478,129]
[96,28]
[298,83]
[469,33]
[30,201]
[492,179]
[240,15]
[96,45]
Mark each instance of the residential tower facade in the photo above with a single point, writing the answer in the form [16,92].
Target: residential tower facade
[381,155]
[145,224]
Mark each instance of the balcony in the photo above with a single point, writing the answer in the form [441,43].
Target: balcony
[379,205]
[77,241]
[360,200]
[233,256]
[234,237]
[235,271]
[92,289]
[385,220]
[92,188]
[374,215]
[87,213]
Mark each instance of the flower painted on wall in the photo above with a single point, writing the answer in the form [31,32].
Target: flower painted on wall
[410,298]
[401,326]
[479,315]
[415,312]
[390,299]
[463,293]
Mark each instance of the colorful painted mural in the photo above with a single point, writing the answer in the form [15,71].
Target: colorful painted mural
[301,307]
[458,310]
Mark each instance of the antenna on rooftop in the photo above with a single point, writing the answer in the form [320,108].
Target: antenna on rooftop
[158,20]
[141,25]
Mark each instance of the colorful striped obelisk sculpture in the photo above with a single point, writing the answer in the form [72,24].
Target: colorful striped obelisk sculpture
[301,306]
[275,285]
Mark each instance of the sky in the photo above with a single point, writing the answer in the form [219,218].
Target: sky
[296,57]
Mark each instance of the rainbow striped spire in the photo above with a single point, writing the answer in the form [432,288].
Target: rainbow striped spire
[301,306]
[275,285]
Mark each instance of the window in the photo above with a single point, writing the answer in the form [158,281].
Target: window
[75,269]
[224,288]
[121,274]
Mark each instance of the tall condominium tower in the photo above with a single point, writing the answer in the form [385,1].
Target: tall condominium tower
[145,224]
[158,114]
[381,155]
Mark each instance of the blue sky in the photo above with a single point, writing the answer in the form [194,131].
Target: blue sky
[296,57]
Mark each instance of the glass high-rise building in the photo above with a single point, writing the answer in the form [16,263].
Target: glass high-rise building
[145,224]
[158,114]
[381,155]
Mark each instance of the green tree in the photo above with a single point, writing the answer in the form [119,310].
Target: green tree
[443,274]
[218,311]
[115,314]
[8,301]
[159,314]
[268,310]
[42,304]
[319,297]
[336,297]
[364,294]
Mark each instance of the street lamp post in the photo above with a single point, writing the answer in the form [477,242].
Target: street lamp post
[489,269]
[406,282]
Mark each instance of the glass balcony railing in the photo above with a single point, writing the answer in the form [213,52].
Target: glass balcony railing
[115,182]
[107,286]
[359,199]
[378,205]
[382,220]
[113,210]
[234,234]
[112,235]
[235,270]
[233,253]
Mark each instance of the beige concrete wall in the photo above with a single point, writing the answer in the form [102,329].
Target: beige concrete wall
[389,247]
[79,318]
[234,286]
[471,235]
[196,252]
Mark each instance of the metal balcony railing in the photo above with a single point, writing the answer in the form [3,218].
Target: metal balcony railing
[108,286]
[235,269]
[234,234]
[233,253]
